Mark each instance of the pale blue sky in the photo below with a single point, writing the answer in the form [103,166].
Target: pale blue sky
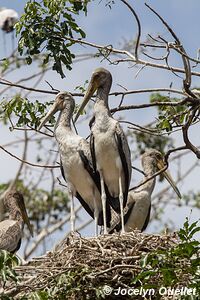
[105,26]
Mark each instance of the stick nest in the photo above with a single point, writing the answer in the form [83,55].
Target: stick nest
[80,267]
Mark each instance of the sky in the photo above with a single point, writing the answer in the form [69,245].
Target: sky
[113,26]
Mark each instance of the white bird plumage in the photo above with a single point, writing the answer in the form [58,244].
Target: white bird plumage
[76,162]
[109,146]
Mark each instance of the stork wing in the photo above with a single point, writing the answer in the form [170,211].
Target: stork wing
[125,156]
[78,196]
[10,235]
[92,149]
[96,178]
[62,170]
[147,219]
[92,121]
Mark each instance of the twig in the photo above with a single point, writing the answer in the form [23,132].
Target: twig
[27,162]
[138,25]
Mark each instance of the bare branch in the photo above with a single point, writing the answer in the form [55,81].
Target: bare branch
[138,25]
[156,103]
[185,129]
[27,162]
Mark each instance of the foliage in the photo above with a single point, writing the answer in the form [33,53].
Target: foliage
[169,116]
[155,141]
[70,283]
[50,25]
[7,263]
[26,112]
[176,267]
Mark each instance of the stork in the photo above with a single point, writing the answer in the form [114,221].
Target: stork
[76,162]
[139,200]
[109,147]
[11,229]
[8,18]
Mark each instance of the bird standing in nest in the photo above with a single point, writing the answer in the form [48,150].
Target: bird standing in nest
[11,229]
[139,200]
[76,162]
[109,147]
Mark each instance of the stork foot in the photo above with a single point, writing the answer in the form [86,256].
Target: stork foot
[105,231]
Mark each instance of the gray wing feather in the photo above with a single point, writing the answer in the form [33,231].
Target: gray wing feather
[85,147]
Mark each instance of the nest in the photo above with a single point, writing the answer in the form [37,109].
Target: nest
[80,267]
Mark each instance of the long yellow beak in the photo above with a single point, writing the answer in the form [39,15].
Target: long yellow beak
[89,93]
[50,113]
[161,165]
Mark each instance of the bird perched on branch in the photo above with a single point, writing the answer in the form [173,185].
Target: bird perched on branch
[11,229]
[76,162]
[109,147]
[139,200]
[8,18]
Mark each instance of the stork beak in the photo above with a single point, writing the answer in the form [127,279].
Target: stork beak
[89,93]
[161,165]
[50,113]
[25,217]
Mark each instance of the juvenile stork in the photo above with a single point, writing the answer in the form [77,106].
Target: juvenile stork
[8,18]
[11,229]
[76,162]
[109,147]
[139,200]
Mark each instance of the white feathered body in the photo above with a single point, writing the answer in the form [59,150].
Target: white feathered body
[76,175]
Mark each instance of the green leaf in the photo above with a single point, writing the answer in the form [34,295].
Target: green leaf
[169,276]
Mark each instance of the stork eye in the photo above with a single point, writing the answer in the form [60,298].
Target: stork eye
[96,76]
[158,156]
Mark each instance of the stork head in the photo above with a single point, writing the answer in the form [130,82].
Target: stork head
[154,158]
[8,25]
[8,18]
[101,78]
[14,201]
[63,100]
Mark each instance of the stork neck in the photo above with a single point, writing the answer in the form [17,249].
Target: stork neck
[149,185]
[101,103]
[101,107]
[102,94]
[15,214]
[64,118]
[149,170]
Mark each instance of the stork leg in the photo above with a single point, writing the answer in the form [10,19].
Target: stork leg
[103,199]
[121,201]
[95,215]
[72,218]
